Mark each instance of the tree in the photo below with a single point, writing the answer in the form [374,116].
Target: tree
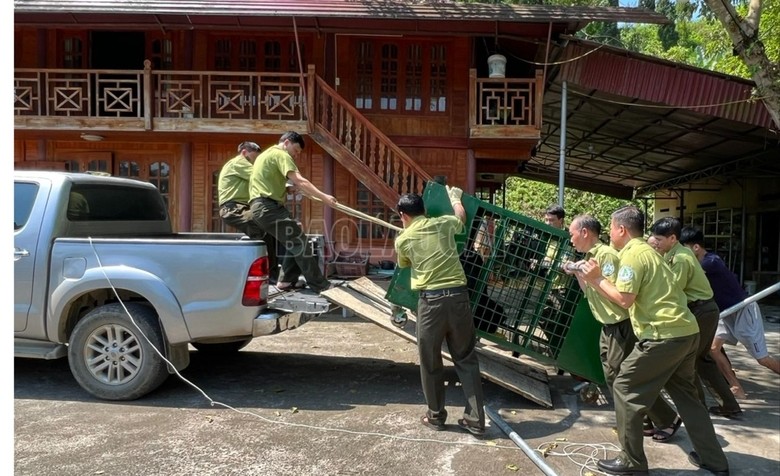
[531,199]
[744,34]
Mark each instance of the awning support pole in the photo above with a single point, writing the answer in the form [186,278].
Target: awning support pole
[562,169]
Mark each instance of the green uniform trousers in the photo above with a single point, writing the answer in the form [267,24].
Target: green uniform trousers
[707,370]
[238,215]
[448,318]
[275,220]
[651,366]
[615,343]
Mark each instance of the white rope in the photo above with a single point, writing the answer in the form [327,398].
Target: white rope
[582,455]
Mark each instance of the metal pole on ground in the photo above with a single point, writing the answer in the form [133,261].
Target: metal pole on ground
[751,299]
[534,455]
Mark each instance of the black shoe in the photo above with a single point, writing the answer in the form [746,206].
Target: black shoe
[693,458]
[720,411]
[474,430]
[619,466]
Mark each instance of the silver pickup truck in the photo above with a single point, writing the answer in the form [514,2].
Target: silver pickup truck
[100,277]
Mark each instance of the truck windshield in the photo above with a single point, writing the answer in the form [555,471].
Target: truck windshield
[102,202]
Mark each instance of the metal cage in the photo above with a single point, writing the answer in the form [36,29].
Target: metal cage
[520,297]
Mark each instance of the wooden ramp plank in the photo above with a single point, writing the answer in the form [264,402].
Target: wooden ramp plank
[370,289]
[366,299]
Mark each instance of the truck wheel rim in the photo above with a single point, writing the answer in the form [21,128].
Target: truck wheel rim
[113,354]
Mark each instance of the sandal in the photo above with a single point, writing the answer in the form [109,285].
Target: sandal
[474,430]
[283,287]
[720,411]
[664,435]
[435,426]
[648,429]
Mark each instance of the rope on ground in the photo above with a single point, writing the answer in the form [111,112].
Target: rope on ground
[583,455]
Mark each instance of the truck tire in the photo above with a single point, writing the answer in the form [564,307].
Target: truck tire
[109,356]
[223,348]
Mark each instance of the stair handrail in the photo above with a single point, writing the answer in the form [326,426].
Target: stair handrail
[357,115]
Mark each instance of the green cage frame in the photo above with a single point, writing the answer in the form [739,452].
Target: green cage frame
[520,297]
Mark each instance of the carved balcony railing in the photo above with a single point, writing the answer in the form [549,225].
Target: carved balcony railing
[78,93]
[138,100]
[159,100]
[505,107]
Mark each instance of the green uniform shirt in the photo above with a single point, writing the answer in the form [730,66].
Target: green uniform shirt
[269,174]
[559,280]
[604,310]
[428,246]
[660,310]
[688,273]
[233,183]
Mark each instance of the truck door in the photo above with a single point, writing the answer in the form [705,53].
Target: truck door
[29,206]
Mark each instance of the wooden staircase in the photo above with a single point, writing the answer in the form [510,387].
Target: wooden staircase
[358,145]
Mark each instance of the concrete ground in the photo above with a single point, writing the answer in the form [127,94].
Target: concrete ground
[341,396]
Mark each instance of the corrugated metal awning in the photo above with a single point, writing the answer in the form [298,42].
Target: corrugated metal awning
[644,124]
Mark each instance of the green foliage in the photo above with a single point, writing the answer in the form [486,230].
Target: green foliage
[770,29]
[532,198]
[695,37]
[667,33]
[700,39]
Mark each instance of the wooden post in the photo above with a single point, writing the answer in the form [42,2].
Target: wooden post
[539,99]
[473,97]
[310,108]
[148,95]
[471,172]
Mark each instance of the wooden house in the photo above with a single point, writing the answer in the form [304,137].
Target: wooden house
[388,94]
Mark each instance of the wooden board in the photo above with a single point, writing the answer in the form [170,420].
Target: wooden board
[366,299]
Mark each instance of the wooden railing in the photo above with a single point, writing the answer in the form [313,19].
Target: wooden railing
[227,95]
[251,101]
[360,146]
[78,93]
[505,107]
[149,95]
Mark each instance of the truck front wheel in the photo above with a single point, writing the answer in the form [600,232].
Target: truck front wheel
[109,356]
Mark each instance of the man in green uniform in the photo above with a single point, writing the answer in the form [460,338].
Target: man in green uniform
[554,216]
[617,337]
[233,190]
[690,277]
[267,191]
[562,298]
[427,245]
[665,355]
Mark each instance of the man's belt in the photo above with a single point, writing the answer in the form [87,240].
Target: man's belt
[697,304]
[442,292]
[619,323]
[263,199]
[232,203]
